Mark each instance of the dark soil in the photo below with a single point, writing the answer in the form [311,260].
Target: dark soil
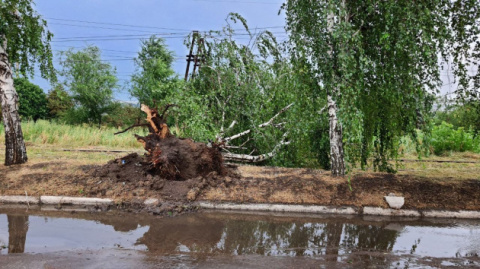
[137,176]
[175,158]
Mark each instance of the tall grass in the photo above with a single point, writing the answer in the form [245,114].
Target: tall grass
[69,136]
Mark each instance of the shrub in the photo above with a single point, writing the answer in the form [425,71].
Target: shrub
[445,138]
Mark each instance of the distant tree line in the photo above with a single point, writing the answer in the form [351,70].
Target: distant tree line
[361,75]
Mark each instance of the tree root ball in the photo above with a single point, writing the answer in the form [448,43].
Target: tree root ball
[174,158]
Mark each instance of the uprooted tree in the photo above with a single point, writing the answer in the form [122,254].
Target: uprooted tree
[175,158]
[171,157]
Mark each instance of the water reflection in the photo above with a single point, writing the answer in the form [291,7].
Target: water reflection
[17,233]
[332,239]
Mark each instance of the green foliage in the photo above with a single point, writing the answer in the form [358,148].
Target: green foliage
[58,101]
[28,40]
[461,114]
[379,62]
[154,79]
[32,99]
[123,115]
[237,84]
[90,82]
[445,138]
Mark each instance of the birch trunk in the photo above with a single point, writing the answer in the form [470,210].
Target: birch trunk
[336,144]
[15,151]
[336,135]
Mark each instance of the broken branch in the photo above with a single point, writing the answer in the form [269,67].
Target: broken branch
[268,123]
[133,126]
[248,158]
[166,108]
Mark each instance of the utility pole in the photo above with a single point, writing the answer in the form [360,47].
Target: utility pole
[197,58]
[190,55]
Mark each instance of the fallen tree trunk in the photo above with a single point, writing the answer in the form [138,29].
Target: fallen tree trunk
[248,158]
[223,142]
[175,158]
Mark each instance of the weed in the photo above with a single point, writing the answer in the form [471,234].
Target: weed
[349,183]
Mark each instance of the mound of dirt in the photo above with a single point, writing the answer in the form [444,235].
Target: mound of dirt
[176,158]
[132,173]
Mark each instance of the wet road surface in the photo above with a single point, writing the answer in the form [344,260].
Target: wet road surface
[41,238]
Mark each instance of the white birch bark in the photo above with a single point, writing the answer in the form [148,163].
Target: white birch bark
[15,150]
[336,134]
[336,143]
[247,158]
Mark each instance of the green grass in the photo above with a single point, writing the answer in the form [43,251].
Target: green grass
[68,136]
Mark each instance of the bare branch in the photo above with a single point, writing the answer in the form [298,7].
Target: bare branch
[231,125]
[133,126]
[321,110]
[248,158]
[167,106]
[233,147]
[274,117]
[236,136]
[268,123]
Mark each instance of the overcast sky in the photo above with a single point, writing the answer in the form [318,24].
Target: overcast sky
[117,26]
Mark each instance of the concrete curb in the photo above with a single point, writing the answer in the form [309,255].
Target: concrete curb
[315,209]
[367,210]
[280,208]
[19,199]
[66,200]
[378,211]
[55,200]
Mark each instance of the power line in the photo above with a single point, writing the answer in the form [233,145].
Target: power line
[115,36]
[119,24]
[239,2]
[120,51]
[111,39]
[138,26]
[99,27]
[130,37]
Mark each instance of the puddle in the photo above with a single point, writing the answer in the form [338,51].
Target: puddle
[218,239]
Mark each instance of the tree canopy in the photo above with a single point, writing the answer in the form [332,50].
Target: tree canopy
[32,99]
[58,101]
[24,41]
[90,81]
[381,62]
[154,78]
[27,37]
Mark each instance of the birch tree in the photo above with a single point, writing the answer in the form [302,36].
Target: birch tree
[378,64]
[24,41]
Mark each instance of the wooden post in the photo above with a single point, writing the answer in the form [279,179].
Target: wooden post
[190,55]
